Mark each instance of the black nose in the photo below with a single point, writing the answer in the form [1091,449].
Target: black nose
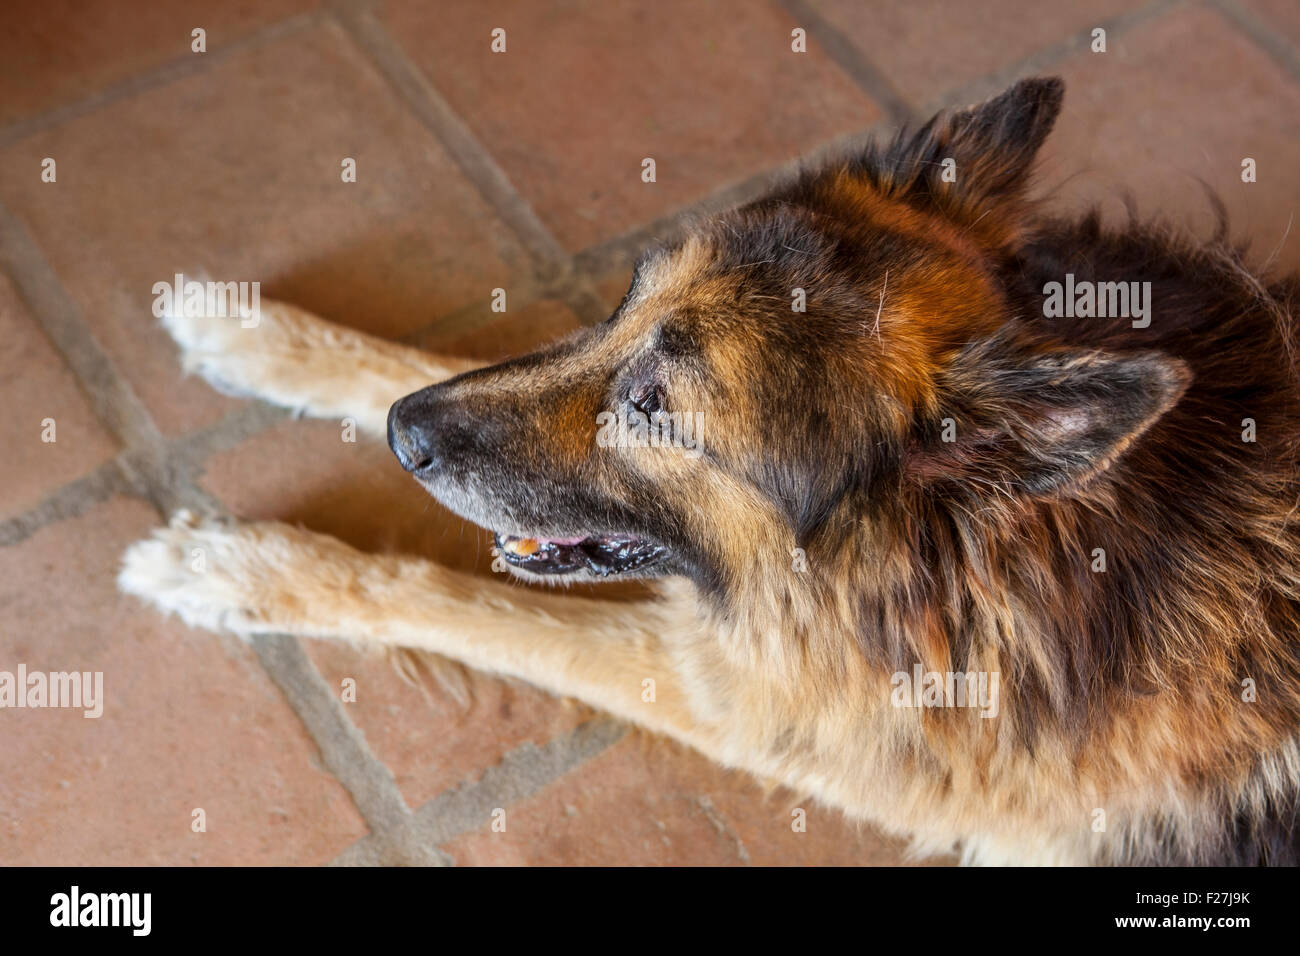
[410,434]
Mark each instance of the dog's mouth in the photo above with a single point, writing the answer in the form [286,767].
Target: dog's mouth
[601,555]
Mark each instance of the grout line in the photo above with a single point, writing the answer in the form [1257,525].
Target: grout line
[181,456]
[578,292]
[235,427]
[435,113]
[524,291]
[621,251]
[150,471]
[849,57]
[1262,34]
[117,406]
[553,264]
[341,743]
[522,772]
[724,829]
[68,501]
[177,69]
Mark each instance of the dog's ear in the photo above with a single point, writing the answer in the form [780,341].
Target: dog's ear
[1022,420]
[973,165]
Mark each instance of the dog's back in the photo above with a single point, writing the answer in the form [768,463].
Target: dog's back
[1135,586]
[1199,601]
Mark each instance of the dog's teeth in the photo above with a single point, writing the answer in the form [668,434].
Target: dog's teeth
[523,546]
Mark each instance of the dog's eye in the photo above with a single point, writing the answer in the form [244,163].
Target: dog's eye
[646,397]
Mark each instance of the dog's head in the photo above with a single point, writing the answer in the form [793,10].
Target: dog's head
[786,366]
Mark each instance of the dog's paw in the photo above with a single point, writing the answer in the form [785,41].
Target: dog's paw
[216,347]
[206,571]
[257,356]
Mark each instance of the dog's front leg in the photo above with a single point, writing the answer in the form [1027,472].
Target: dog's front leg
[271,578]
[289,357]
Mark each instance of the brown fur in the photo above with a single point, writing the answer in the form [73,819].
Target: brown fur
[1122,690]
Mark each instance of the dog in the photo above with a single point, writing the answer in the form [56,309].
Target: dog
[998,580]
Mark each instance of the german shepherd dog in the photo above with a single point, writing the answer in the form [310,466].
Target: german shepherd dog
[1022,586]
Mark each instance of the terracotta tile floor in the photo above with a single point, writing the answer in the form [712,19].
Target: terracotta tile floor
[475,170]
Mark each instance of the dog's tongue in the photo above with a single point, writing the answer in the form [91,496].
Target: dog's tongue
[526,546]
